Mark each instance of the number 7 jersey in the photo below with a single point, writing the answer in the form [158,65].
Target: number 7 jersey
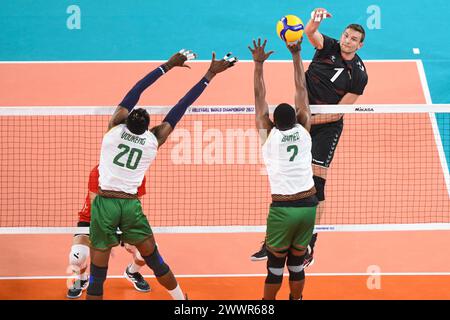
[287,156]
[124,159]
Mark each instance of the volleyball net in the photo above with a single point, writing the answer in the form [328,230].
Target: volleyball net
[390,170]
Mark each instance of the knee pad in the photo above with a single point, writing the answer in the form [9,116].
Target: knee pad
[78,256]
[96,280]
[275,268]
[319,183]
[295,267]
[156,263]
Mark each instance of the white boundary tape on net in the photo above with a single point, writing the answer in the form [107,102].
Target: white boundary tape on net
[223,109]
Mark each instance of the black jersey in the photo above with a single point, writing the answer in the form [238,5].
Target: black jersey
[329,77]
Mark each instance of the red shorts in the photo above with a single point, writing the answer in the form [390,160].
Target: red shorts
[85,214]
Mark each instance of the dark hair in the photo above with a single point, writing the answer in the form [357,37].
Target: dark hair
[359,28]
[138,121]
[284,117]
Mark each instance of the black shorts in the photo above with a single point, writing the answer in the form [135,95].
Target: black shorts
[88,224]
[325,138]
[82,224]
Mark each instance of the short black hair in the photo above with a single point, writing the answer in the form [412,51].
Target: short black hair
[359,28]
[284,117]
[138,121]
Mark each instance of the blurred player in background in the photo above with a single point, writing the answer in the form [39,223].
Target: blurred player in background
[79,253]
[128,149]
[287,155]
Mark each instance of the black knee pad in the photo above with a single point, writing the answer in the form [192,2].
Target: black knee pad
[319,183]
[275,268]
[312,242]
[96,280]
[156,263]
[295,267]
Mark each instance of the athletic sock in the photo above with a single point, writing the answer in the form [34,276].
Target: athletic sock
[133,268]
[84,276]
[177,294]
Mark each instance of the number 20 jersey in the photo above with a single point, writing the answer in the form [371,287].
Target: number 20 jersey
[287,156]
[124,159]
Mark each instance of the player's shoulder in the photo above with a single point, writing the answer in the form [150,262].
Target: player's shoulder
[272,133]
[359,64]
[329,43]
[329,39]
[115,128]
[302,129]
[152,137]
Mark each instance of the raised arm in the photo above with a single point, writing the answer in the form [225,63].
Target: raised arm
[301,94]
[132,97]
[263,122]
[175,114]
[312,27]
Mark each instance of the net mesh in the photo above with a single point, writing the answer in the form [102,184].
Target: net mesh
[389,168]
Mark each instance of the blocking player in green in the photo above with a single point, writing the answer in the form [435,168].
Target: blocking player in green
[287,155]
[127,151]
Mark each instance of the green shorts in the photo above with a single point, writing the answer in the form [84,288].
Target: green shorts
[290,227]
[108,214]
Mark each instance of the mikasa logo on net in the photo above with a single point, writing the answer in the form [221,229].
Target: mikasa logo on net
[364,109]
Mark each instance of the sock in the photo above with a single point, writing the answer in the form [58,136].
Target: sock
[84,276]
[177,294]
[133,268]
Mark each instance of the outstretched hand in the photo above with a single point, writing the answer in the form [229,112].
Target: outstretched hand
[179,58]
[319,14]
[258,53]
[218,66]
[296,47]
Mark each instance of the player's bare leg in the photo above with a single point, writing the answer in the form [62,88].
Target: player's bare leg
[164,275]
[132,272]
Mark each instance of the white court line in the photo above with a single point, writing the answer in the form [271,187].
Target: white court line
[251,275]
[437,135]
[192,61]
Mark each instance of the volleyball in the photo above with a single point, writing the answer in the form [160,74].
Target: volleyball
[290,28]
